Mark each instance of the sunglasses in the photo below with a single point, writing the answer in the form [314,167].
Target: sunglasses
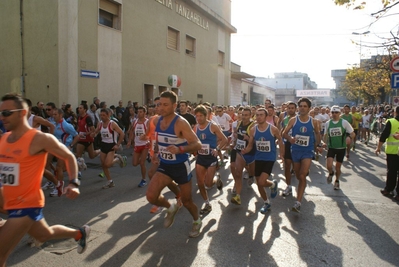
[8,113]
[334,112]
[48,109]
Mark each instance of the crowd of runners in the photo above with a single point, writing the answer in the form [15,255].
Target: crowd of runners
[169,133]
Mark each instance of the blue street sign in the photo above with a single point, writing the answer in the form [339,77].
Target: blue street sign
[90,74]
[395,80]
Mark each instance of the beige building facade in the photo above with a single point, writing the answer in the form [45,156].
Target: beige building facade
[246,91]
[68,51]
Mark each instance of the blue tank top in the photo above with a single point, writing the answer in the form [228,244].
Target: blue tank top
[265,144]
[303,132]
[167,138]
[207,138]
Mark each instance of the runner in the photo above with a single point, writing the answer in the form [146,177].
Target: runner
[349,118]
[366,120]
[336,135]
[288,166]
[357,119]
[323,117]
[233,152]
[150,135]
[175,139]
[111,139]
[37,122]
[304,134]
[225,122]
[85,128]
[139,128]
[210,136]
[271,116]
[241,160]
[183,112]
[67,135]
[21,178]
[264,136]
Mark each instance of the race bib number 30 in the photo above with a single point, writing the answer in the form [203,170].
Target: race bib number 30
[301,140]
[9,174]
[165,154]
[240,144]
[263,146]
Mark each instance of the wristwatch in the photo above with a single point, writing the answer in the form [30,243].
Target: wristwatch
[75,182]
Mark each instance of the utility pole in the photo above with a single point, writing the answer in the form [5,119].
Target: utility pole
[360,57]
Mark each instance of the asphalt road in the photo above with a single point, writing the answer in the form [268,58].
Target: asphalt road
[355,226]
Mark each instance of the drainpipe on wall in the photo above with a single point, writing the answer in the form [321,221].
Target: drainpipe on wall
[21,19]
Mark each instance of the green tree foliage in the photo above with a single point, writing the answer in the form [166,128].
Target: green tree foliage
[358,4]
[368,83]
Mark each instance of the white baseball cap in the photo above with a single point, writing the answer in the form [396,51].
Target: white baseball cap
[335,109]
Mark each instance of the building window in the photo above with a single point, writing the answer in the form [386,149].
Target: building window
[221,58]
[109,14]
[173,39]
[190,45]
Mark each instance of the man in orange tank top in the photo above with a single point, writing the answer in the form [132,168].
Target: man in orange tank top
[23,155]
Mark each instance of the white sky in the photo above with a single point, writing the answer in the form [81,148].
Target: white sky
[309,36]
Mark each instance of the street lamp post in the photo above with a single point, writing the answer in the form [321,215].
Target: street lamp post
[360,43]
[360,55]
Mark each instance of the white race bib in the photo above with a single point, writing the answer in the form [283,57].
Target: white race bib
[205,150]
[240,144]
[139,131]
[9,174]
[302,140]
[263,146]
[82,135]
[105,135]
[165,154]
[335,131]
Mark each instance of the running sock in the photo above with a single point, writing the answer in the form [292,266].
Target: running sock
[78,236]
[267,201]
[207,201]
[197,221]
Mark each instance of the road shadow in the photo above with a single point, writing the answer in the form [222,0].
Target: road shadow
[308,230]
[376,238]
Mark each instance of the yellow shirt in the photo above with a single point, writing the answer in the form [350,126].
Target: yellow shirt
[357,117]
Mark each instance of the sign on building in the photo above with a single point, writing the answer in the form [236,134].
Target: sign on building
[312,93]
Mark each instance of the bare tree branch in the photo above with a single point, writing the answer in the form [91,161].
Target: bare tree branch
[385,9]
